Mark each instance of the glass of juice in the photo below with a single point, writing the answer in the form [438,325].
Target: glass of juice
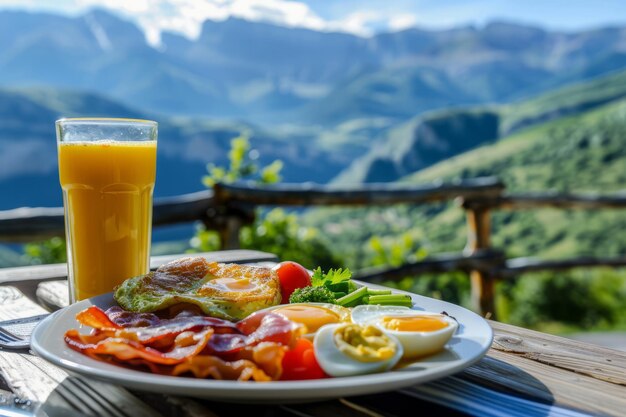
[107,169]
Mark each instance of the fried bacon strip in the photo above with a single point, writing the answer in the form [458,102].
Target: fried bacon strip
[262,362]
[269,327]
[149,321]
[204,347]
[207,366]
[161,332]
[186,345]
[257,328]
[96,318]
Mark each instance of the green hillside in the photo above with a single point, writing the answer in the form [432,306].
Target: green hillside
[581,153]
[577,153]
[569,100]
[433,137]
[585,153]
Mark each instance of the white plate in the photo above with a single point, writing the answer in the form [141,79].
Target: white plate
[469,344]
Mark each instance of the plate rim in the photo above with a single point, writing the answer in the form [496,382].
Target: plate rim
[305,390]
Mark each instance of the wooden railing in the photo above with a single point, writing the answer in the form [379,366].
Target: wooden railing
[228,207]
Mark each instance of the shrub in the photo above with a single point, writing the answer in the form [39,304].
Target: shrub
[275,231]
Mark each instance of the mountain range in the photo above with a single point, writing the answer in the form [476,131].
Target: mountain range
[346,108]
[432,137]
[578,144]
[264,73]
[28,146]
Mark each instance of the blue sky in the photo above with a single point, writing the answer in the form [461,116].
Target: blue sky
[362,17]
[559,14]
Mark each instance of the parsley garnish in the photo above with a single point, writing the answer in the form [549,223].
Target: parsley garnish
[333,276]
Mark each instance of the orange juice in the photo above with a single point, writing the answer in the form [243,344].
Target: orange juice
[107,192]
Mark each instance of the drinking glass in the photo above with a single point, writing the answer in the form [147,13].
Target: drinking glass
[107,169]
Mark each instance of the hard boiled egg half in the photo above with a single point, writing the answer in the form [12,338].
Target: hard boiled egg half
[421,333]
[351,349]
[313,315]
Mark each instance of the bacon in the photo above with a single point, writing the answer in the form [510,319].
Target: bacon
[168,329]
[128,319]
[262,362]
[267,355]
[206,366]
[96,318]
[125,318]
[186,345]
[115,323]
[270,327]
[226,343]
[258,328]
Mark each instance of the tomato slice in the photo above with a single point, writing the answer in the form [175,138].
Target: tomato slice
[292,276]
[300,362]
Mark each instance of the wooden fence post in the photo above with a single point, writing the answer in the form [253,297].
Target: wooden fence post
[479,238]
[228,230]
[228,217]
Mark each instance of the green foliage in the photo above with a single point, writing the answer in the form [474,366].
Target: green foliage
[204,240]
[271,173]
[313,295]
[452,287]
[49,251]
[280,233]
[242,166]
[585,298]
[275,231]
[397,251]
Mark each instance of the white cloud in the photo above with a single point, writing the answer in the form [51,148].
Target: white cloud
[186,16]
[402,21]
[356,22]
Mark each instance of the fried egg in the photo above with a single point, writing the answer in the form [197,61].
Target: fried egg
[313,315]
[228,291]
[421,333]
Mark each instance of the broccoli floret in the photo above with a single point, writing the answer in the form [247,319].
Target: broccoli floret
[313,295]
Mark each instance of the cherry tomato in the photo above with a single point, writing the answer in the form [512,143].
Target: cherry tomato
[300,362]
[292,276]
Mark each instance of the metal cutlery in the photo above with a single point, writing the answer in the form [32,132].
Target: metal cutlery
[15,334]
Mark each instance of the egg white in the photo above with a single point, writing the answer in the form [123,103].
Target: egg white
[415,344]
[336,363]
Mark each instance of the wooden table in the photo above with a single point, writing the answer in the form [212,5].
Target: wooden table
[523,363]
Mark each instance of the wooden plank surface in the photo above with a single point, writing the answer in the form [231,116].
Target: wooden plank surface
[517,375]
[583,358]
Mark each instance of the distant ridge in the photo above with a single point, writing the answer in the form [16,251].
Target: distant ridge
[433,137]
[271,74]
[28,156]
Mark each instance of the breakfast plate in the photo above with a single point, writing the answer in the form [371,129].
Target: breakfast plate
[469,344]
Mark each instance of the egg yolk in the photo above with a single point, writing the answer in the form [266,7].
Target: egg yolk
[312,317]
[233,284]
[364,343]
[414,323]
